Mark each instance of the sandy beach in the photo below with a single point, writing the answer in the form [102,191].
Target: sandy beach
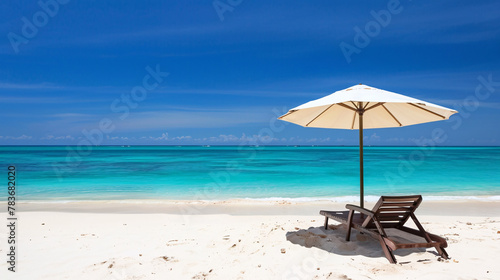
[239,240]
[201,140]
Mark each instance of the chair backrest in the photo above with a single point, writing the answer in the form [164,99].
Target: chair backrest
[394,211]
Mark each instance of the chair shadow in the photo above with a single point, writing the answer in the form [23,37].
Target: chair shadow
[333,240]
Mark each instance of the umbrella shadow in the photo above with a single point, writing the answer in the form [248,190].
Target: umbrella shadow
[333,240]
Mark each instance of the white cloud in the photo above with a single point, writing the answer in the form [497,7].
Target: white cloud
[220,139]
[26,86]
[395,139]
[374,137]
[63,137]
[22,137]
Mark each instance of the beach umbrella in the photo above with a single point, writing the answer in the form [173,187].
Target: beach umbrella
[361,107]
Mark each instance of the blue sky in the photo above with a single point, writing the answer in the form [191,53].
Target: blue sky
[76,71]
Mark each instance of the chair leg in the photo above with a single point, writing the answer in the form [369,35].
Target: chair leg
[349,225]
[387,251]
[326,222]
[442,252]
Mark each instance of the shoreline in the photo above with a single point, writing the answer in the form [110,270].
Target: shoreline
[340,199]
[245,207]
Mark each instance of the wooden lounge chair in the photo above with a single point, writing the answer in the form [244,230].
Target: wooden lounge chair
[389,215]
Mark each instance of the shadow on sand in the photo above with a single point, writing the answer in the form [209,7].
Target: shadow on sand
[333,240]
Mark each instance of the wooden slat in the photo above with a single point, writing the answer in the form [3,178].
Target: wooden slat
[400,209]
[391,218]
[393,214]
[389,203]
[388,214]
[398,204]
[401,198]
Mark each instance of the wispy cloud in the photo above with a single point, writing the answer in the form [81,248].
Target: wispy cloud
[28,86]
[60,87]
[183,117]
[231,139]
[22,137]
[33,100]
[261,90]
[52,137]
[71,115]
[285,87]
[191,119]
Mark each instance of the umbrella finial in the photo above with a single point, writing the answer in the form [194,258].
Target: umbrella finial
[360,83]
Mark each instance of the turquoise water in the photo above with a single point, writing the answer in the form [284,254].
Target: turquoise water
[213,173]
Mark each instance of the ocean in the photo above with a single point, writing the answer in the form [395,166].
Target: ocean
[60,173]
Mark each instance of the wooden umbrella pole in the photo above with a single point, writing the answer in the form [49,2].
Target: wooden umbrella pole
[361,174]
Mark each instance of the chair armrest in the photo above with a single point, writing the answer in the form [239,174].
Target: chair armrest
[360,210]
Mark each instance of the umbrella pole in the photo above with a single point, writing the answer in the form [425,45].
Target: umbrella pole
[361,174]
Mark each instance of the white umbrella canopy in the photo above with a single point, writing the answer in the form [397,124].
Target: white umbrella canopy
[362,106]
[380,108]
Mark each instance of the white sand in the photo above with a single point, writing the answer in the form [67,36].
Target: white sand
[239,240]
